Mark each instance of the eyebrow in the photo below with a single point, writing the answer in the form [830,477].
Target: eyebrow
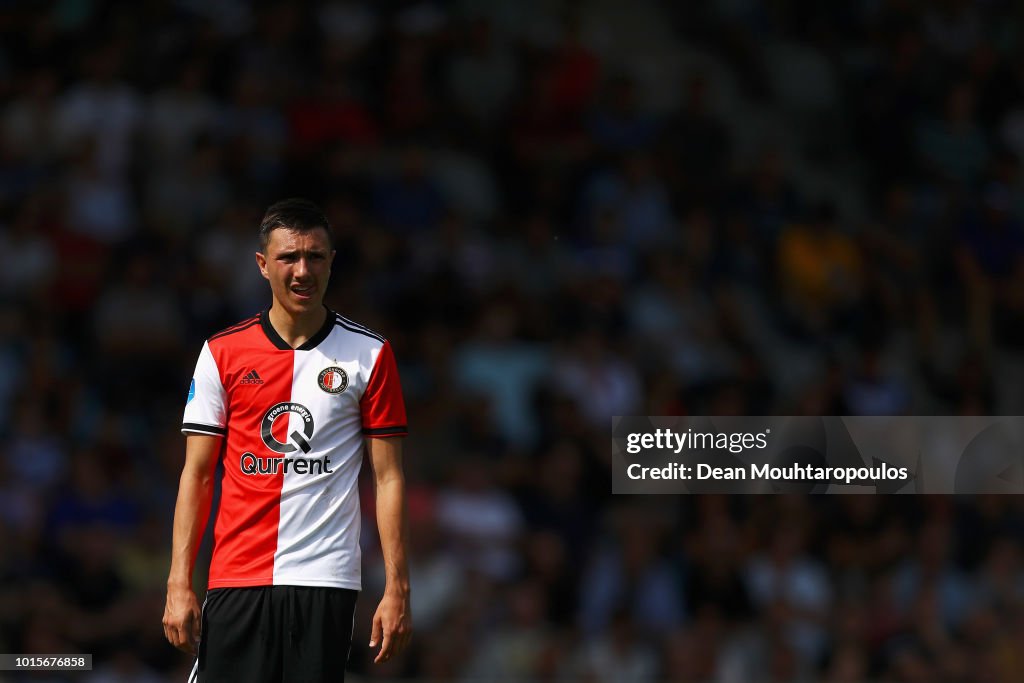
[296,252]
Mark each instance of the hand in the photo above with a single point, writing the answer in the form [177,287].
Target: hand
[392,626]
[182,619]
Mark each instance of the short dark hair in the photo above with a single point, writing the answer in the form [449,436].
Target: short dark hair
[296,214]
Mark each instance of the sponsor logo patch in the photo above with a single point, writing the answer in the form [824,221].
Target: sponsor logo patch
[297,440]
[297,443]
[252,377]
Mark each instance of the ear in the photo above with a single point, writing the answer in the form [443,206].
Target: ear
[261,261]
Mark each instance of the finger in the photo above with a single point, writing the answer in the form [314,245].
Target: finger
[174,636]
[171,633]
[375,631]
[185,639]
[400,640]
[191,640]
[197,627]
[385,650]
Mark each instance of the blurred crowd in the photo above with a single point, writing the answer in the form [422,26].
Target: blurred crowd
[557,211]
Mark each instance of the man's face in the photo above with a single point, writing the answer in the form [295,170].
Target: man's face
[297,265]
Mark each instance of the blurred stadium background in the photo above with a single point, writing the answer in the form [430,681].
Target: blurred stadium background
[558,211]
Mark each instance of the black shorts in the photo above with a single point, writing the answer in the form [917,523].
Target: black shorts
[275,634]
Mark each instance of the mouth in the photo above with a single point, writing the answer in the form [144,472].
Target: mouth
[303,293]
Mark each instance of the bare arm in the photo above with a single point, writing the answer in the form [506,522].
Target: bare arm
[191,512]
[392,623]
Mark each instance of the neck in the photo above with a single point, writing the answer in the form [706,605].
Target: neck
[295,330]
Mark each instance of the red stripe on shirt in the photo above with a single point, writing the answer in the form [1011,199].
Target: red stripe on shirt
[250,506]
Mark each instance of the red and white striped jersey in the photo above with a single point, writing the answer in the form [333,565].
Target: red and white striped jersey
[293,422]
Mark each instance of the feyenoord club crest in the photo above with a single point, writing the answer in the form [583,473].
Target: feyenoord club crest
[333,380]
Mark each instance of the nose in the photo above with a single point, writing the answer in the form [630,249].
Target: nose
[301,267]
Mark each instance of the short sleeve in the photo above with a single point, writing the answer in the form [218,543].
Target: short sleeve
[382,405]
[205,407]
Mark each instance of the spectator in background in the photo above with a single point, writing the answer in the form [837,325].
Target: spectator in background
[517,648]
[29,120]
[331,111]
[123,667]
[697,147]
[223,266]
[178,115]
[482,76]
[600,380]
[953,28]
[405,200]
[898,247]
[101,205]
[537,248]
[545,134]
[693,654]
[791,589]
[618,122]
[632,578]
[893,94]
[102,112]
[28,261]
[821,273]
[929,581]
[999,584]
[189,194]
[674,321]
[409,106]
[465,181]
[635,194]
[22,507]
[558,503]
[137,316]
[575,71]
[35,454]
[848,664]
[483,522]
[990,261]
[714,581]
[874,389]
[505,368]
[255,131]
[766,198]
[953,148]
[622,655]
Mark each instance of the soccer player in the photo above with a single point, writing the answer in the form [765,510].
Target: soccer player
[286,400]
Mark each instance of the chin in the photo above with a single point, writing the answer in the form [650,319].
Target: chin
[295,306]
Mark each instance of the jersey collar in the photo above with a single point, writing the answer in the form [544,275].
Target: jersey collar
[310,343]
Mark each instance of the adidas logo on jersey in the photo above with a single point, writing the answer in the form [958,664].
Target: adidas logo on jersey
[251,378]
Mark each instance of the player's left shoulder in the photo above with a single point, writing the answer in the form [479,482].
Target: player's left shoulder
[358,332]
